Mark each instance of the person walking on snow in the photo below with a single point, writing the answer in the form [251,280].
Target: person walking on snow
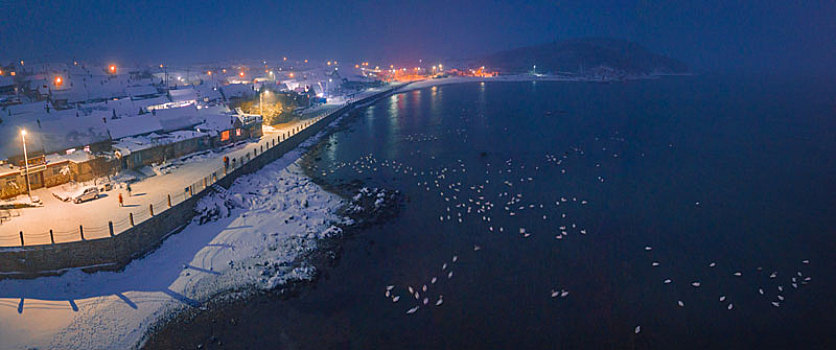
[121,204]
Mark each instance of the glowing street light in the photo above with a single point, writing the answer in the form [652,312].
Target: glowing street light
[209,73]
[261,102]
[25,161]
[58,81]
[241,74]
[112,69]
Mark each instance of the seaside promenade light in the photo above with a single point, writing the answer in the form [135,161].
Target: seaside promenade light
[25,162]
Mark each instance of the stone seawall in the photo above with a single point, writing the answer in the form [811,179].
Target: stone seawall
[114,253]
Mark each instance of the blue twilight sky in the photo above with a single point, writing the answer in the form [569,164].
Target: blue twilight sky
[709,35]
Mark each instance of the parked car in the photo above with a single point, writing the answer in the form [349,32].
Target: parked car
[77,195]
[87,193]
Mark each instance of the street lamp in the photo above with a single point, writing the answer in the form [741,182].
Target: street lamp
[25,161]
[261,102]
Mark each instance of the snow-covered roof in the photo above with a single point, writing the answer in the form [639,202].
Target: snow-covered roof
[75,157]
[145,103]
[215,123]
[178,118]
[130,145]
[26,108]
[182,95]
[141,91]
[132,126]
[56,132]
[208,92]
[238,90]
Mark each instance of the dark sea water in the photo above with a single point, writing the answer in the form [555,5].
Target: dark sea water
[731,171]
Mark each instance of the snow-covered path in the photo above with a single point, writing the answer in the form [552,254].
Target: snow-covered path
[278,216]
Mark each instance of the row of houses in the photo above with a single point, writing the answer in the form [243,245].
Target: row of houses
[62,147]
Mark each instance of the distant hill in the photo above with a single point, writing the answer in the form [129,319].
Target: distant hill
[586,56]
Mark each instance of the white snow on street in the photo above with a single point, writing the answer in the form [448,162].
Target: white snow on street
[277,217]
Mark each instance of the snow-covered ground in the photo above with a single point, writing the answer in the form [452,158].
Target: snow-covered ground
[276,216]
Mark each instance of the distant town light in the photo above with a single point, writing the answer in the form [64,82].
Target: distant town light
[306,61]
[291,75]
[223,70]
[22,132]
[112,69]
[58,81]
[356,66]
[329,63]
[161,66]
[241,74]
[12,73]
[21,62]
[284,58]
[209,72]
[1,72]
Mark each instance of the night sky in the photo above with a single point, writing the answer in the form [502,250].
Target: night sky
[709,35]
